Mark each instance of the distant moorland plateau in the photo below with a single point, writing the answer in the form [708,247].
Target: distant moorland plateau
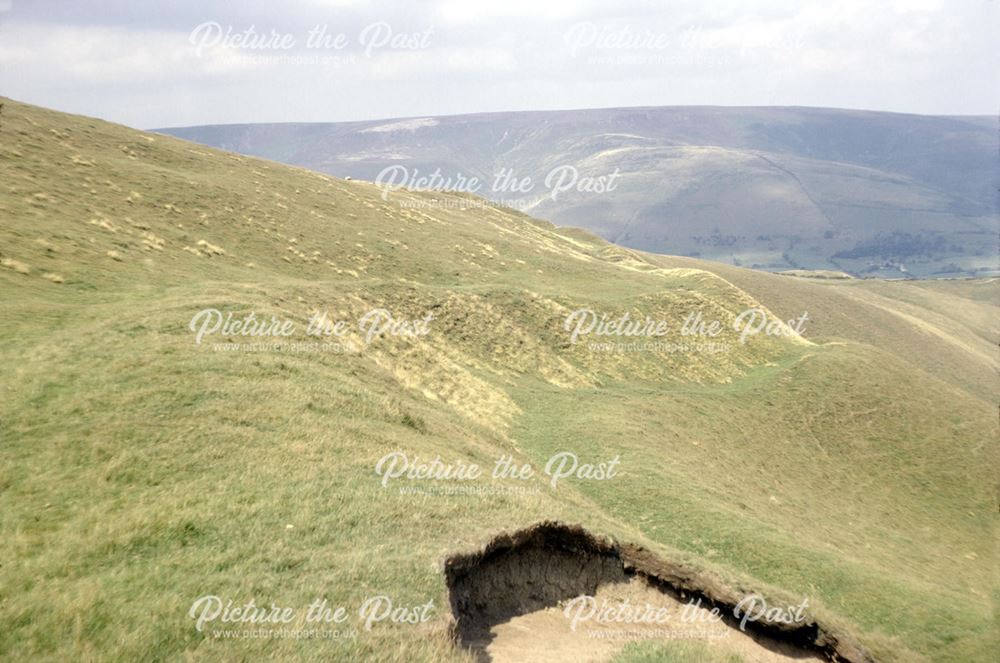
[866,193]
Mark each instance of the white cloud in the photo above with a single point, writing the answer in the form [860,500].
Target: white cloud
[914,55]
[106,56]
[465,12]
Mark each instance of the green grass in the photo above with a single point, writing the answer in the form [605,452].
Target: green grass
[853,515]
[140,471]
[670,652]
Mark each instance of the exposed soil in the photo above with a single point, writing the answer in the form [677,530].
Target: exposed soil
[507,601]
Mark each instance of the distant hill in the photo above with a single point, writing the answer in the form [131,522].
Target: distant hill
[867,193]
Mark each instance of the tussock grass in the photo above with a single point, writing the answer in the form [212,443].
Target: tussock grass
[140,471]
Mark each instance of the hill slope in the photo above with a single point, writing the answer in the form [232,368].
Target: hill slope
[773,188]
[142,470]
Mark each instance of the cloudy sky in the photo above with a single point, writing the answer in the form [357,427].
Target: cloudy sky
[156,64]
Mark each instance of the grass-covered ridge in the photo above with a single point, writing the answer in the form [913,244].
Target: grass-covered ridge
[140,471]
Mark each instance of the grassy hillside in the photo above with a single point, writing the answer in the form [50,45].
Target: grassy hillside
[141,471]
[872,193]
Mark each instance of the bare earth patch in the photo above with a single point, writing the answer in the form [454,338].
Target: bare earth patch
[510,599]
[547,635]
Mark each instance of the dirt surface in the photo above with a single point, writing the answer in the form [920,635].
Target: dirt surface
[509,601]
[548,635]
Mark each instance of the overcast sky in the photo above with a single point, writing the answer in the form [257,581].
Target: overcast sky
[160,63]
